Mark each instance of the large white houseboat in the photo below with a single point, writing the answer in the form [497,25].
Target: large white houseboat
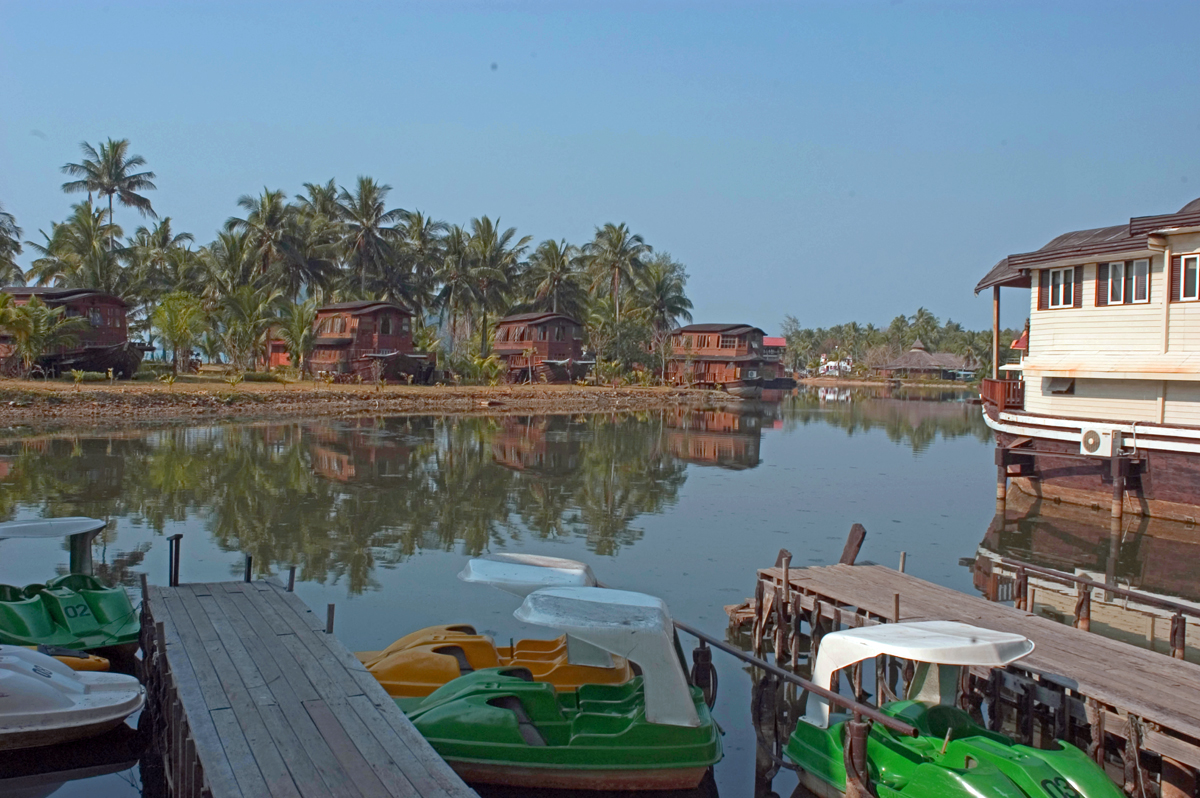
[1105,403]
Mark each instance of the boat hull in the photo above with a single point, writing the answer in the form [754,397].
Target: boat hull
[596,779]
[18,740]
[745,389]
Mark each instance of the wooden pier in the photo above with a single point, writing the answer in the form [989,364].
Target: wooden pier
[250,697]
[1074,684]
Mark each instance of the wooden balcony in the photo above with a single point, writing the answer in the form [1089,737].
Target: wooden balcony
[1003,394]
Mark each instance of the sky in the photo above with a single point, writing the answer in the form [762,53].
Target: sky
[836,161]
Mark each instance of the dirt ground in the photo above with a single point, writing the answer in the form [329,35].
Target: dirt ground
[36,403]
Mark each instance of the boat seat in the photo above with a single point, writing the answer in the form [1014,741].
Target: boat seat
[529,732]
[524,674]
[460,656]
[10,593]
[941,719]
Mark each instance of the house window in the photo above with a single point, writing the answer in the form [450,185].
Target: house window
[404,326]
[385,325]
[1062,288]
[95,317]
[1190,272]
[541,333]
[558,332]
[1116,283]
[687,342]
[1141,281]
[728,342]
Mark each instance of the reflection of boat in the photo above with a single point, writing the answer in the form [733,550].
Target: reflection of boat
[51,527]
[45,702]
[73,611]
[419,663]
[26,776]
[652,733]
[952,755]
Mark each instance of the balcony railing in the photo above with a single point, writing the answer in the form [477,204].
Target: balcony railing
[1004,394]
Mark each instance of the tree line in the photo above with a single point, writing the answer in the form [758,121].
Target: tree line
[870,346]
[279,258]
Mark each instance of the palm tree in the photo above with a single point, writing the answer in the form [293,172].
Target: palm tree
[266,223]
[309,262]
[495,262]
[37,329]
[180,318]
[229,263]
[555,278]
[295,329]
[108,174]
[458,293]
[370,235]
[246,314]
[422,238]
[162,257]
[74,254]
[659,292]
[925,326]
[615,255]
[10,247]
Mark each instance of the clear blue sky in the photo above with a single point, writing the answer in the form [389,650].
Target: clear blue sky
[834,160]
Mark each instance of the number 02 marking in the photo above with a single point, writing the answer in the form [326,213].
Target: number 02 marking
[76,611]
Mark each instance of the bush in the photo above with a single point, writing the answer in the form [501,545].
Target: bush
[88,376]
[263,376]
[145,376]
[153,367]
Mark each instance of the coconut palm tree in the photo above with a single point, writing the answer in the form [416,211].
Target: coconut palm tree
[495,264]
[36,329]
[229,263]
[108,173]
[309,263]
[266,224]
[556,279]
[659,293]
[74,254]
[615,256]
[295,329]
[10,247]
[422,240]
[162,259]
[458,291]
[246,314]
[369,232]
[180,319]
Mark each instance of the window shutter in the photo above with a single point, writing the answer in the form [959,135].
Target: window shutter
[1043,289]
[1127,294]
[1176,276]
[1101,284]
[1078,294]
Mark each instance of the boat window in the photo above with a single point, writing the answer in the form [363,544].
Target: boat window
[1190,289]
[1062,386]
[1141,281]
[541,333]
[1062,284]
[95,317]
[1116,283]
[558,332]
[385,325]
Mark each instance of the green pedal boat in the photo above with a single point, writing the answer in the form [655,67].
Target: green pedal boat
[498,726]
[953,757]
[74,611]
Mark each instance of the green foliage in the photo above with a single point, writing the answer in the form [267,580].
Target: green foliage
[78,376]
[10,247]
[234,378]
[167,379]
[260,376]
[296,323]
[37,329]
[179,319]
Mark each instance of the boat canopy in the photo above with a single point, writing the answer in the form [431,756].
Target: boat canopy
[933,642]
[51,527]
[631,625]
[521,574]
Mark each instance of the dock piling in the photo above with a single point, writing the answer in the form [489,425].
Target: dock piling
[249,568]
[173,544]
[903,560]
[291,588]
[329,619]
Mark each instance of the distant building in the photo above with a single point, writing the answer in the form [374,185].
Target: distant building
[721,355]
[540,345]
[919,362]
[359,338]
[103,345]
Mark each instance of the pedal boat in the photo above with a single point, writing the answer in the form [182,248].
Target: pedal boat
[953,756]
[654,732]
[75,611]
[45,702]
[419,663]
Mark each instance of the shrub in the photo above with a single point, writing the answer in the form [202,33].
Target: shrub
[263,376]
[85,376]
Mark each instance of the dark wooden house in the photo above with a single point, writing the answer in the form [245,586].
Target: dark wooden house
[366,338]
[728,356]
[537,346]
[103,345]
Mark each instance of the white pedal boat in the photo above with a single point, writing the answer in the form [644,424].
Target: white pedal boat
[43,702]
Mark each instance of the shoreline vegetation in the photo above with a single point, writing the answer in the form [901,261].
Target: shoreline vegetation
[47,403]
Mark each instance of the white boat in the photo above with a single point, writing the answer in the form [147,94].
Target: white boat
[43,702]
[51,527]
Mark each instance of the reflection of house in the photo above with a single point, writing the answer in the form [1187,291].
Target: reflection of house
[1112,371]
[548,343]
[103,345]
[919,362]
[716,438]
[729,355]
[537,444]
[360,337]
[354,451]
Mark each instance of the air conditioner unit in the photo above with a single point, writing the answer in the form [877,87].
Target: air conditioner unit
[1100,441]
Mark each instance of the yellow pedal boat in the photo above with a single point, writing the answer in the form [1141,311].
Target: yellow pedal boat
[75,660]
[417,664]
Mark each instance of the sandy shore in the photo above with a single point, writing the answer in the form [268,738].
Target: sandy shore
[57,404]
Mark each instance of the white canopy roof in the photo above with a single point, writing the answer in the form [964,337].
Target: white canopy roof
[521,574]
[939,642]
[631,625]
[51,527]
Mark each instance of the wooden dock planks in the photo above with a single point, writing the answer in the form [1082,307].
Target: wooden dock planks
[1154,687]
[276,707]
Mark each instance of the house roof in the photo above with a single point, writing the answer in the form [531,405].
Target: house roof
[918,359]
[48,293]
[728,329]
[774,340]
[1095,242]
[534,318]
[361,307]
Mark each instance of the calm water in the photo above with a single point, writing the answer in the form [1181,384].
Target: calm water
[380,514]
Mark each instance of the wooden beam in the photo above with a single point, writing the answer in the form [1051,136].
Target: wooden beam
[995,332]
[854,541]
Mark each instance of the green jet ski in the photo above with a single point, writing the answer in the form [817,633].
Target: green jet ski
[75,611]
[498,726]
[953,756]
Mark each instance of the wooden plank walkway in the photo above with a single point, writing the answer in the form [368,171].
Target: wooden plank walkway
[276,707]
[1156,688]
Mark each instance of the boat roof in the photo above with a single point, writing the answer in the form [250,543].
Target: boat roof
[631,625]
[51,527]
[521,574]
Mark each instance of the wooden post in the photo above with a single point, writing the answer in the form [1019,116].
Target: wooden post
[329,619]
[787,584]
[1021,590]
[903,560]
[993,585]
[173,545]
[249,567]
[1083,609]
[1118,492]
[995,332]
[291,588]
[896,607]
[857,776]
[1178,635]
[854,541]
